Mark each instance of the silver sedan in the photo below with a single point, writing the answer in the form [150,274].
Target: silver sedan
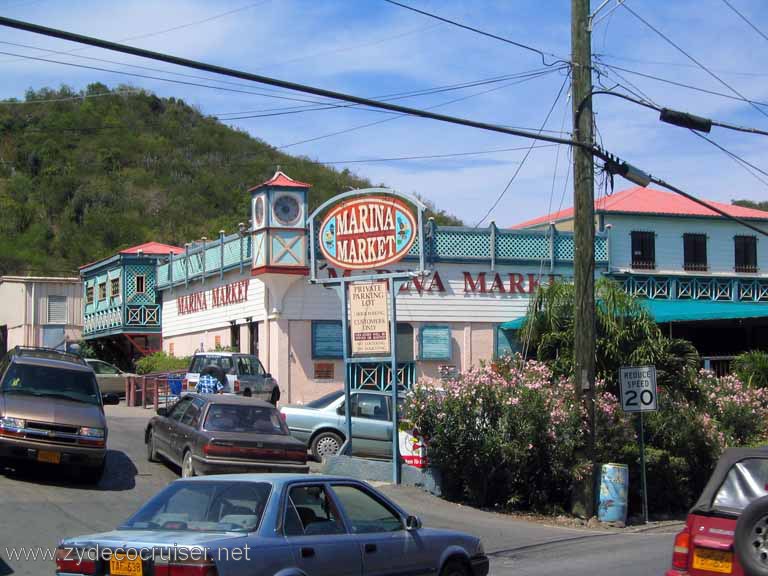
[272,525]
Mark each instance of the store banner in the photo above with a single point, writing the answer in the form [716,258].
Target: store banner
[369,318]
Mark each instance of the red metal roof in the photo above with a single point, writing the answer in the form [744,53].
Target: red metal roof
[154,248]
[650,201]
[282,180]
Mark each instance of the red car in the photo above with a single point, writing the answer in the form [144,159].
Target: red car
[727,530]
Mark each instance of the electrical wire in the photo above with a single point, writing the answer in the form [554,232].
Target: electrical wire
[541,53]
[691,58]
[432,156]
[677,64]
[747,20]
[527,154]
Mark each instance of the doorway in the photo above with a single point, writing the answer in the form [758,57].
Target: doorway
[3,340]
[234,336]
[253,333]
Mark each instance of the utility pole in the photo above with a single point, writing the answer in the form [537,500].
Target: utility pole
[584,232]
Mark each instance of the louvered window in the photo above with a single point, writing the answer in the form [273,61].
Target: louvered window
[57,309]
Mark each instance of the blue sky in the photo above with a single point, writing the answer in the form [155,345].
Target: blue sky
[372,48]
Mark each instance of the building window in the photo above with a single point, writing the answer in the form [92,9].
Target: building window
[171,349]
[57,309]
[435,343]
[644,250]
[217,342]
[695,252]
[141,284]
[114,288]
[404,342]
[745,253]
[327,339]
[103,291]
[89,295]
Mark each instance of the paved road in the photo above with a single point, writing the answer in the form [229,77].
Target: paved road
[39,507]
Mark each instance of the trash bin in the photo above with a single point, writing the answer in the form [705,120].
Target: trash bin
[614,487]
[174,384]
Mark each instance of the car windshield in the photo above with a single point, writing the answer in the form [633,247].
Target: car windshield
[32,380]
[323,401]
[746,481]
[202,506]
[244,418]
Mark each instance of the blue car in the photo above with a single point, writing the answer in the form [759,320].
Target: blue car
[271,525]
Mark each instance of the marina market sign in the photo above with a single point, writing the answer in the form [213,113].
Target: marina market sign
[367,233]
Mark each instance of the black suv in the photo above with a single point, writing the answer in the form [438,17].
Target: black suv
[51,411]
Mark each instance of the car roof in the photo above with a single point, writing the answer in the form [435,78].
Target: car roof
[221,354]
[229,399]
[727,460]
[51,363]
[277,479]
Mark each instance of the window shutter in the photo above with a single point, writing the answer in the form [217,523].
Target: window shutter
[57,309]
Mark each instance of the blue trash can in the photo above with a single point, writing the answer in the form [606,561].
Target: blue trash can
[614,488]
[174,384]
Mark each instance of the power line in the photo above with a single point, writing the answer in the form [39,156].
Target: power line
[677,64]
[747,20]
[70,36]
[691,58]
[484,33]
[527,154]
[432,156]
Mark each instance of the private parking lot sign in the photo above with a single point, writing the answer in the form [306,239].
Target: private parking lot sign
[638,388]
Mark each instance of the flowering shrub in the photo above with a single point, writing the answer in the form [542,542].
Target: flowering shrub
[512,434]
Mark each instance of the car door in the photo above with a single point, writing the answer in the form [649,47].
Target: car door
[371,425]
[380,534]
[164,430]
[251,375]
[182,433]
[110,378]
[315,530]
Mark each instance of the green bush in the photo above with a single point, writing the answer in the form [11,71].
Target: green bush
[161,362]
[752,368]
[513,435]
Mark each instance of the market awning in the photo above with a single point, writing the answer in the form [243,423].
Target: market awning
[686,311]
[692,310]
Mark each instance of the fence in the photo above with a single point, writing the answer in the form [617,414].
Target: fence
[154,390]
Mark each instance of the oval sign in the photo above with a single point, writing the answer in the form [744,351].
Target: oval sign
[367,233]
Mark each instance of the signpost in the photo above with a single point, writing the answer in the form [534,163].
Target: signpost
[364,231]
[639,394]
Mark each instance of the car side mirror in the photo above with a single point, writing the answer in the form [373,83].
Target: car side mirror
[412,523]
[267,375]
[110,399]
[162,411]
[340,410]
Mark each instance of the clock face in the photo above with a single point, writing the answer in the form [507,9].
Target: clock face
[287,209]
[258,211]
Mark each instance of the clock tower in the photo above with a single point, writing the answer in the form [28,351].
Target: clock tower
[279,226]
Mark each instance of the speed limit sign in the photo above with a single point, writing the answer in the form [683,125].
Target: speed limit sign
[638,388]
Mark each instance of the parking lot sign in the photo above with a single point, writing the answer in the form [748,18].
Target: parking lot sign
[638,388]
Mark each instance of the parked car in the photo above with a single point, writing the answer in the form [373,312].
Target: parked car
[262,525]
[322,424]
[51,411]
[208,434]
[725,532]
[110,378]
[244,374]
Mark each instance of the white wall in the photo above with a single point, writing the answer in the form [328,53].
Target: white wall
[669,242]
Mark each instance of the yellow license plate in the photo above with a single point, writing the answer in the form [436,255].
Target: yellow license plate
[50,457]
[122,566]
[713,560]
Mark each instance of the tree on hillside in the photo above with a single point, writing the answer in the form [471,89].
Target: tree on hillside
[751,204]
[101,169]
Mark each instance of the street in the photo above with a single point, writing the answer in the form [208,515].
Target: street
[38,509]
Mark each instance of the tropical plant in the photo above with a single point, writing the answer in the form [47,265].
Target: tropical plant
[160,362]
[752,368]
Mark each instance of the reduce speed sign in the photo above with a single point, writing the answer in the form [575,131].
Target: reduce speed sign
[638,388]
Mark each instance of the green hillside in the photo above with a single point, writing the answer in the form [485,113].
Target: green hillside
[83,177]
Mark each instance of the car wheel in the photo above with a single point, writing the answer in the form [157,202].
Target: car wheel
[326,444]
[187,465]
[454,568]
[273,399]
[151,450]
[751,539]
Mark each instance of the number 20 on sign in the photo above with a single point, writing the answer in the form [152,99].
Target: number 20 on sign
[638,388]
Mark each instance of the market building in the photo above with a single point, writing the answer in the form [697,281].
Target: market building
[702,276]
[40,311]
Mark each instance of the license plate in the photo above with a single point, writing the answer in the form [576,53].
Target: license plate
[713,560]
[122,566]
[50,457]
